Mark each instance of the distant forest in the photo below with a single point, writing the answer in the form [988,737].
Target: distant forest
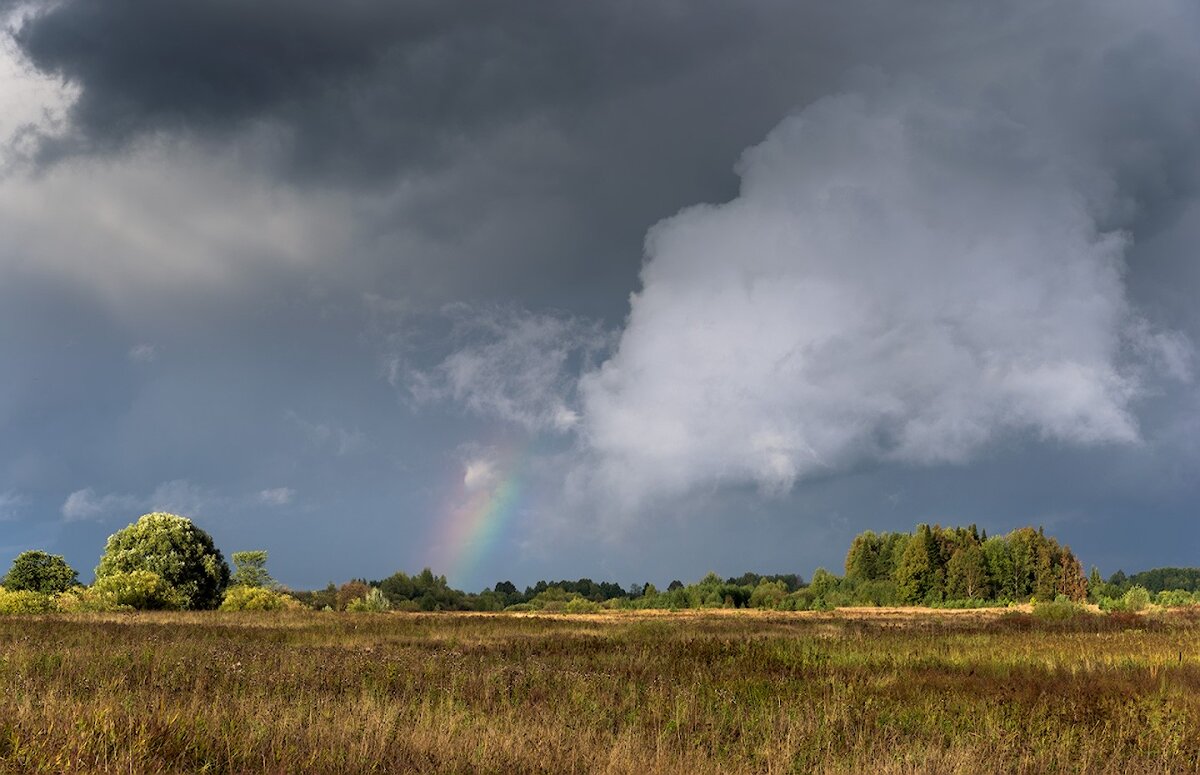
[951,567]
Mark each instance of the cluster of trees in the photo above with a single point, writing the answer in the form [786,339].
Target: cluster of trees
[426,591]
[161,561]
[1156,580]
[423,591]
[935,565]
[1165,587]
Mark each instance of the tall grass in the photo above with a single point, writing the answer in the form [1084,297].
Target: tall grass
[619,693]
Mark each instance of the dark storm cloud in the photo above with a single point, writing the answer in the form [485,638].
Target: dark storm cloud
[507,140]
[359,87]
[546,137]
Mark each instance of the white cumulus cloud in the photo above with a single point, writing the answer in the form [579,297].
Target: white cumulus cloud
[903,277]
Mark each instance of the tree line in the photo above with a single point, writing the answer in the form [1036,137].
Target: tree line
[164,561]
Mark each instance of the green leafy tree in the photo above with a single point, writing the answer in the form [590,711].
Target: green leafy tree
[768,594]
[1095,583]
[507,591]
[178,552]
[915,572]
[36,571]
[251,569]
[966,573]
[1001,569]
[823,583]
[862,561]
[1023,549]
[891,547]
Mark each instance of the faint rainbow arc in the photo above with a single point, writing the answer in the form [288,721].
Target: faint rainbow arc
[476,521]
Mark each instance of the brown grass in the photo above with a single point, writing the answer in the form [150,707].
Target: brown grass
[875,690]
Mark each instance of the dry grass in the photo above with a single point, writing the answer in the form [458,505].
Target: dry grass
[887,691]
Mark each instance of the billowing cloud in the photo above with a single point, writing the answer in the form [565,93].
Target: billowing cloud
[904,276]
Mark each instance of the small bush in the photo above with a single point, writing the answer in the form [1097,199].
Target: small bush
[1175,598]
[248,598]
[350,592]
[552,599]
[374,602]
[24,601]
[1136,599]
[139,589]
[581,605]
[1061,609]
[84,600]
[519,607]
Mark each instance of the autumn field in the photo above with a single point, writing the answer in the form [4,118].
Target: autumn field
[867,690]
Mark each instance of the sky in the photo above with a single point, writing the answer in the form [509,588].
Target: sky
[625,290]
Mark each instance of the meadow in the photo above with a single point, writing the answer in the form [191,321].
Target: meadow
[852,690]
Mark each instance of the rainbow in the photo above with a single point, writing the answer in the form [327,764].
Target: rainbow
[476,518]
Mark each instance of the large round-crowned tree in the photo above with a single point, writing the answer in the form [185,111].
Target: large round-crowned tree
[174,548]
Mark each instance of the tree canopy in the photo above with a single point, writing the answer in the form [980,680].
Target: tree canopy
[37,571]
[251,569]
[181,554]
